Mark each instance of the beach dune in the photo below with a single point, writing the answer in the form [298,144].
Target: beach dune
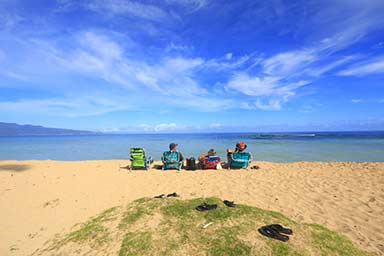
[39,199]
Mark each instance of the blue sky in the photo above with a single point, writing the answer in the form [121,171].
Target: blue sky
[193,65]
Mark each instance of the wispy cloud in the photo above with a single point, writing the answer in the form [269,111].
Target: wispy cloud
[9,20]
[161,127]
[274,91]
[356,100]
[272,104]
[80,105]
[288,62]
[133,8]
[374,66]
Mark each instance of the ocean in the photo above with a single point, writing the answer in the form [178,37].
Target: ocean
[277,147]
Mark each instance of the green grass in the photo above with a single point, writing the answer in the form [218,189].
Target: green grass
[178,231]
[136,244]
[329,242]
[93,229]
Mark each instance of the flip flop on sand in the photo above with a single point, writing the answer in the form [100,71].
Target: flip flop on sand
[271,233]
[173,195]
[206,207]
[229,203]
[281,229]
[160,196]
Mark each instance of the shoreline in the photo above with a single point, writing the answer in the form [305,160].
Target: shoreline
[40,198]
[158,161]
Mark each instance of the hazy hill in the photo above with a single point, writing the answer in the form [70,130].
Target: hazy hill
[12,129]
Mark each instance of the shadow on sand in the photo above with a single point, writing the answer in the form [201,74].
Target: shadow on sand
[14,167]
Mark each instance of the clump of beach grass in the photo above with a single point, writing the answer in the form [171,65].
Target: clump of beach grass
[173,227]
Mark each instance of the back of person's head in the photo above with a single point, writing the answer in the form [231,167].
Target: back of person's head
[241,146]
[212,152]
[172,146]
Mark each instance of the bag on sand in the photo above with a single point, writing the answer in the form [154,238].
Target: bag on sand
[191,164]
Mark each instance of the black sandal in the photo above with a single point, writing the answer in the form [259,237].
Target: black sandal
[173,195]
[229,203]
[206,207]
[271,233]
[279,228]
[160,196]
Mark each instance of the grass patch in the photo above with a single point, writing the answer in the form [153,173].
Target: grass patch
[331,243]
[140,208]
[173,227]
[93,229]
[228,243]
[136,244]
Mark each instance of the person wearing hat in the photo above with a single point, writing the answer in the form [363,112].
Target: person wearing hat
[240,147]
[211,152]
[173,147]
[215,160]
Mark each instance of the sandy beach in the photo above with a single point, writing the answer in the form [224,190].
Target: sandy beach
[39,199]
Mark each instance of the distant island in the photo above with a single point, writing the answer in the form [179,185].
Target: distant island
[12,129]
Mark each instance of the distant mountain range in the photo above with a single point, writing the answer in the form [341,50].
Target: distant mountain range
[11,129]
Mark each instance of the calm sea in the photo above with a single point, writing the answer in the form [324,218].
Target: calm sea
[279,147]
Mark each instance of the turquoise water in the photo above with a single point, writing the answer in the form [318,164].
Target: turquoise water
[278,147]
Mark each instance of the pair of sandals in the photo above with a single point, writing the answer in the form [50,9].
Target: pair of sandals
[174,194]
[276,231]
[206,207]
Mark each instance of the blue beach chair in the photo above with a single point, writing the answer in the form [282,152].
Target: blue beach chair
[239,160]
[171,160]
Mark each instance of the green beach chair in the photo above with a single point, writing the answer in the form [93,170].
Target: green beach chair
[139,161]
[239,160]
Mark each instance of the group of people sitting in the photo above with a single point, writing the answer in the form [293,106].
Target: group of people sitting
[173,159]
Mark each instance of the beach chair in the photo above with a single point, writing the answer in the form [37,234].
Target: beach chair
[171,160]
[239,160]
[139,161]
[210,162]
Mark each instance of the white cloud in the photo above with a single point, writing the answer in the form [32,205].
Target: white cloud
[263,86]
[161,127]
[215,125]
[228,56]
[191,5]
[227,63]
[66,106]
[318,71]
[270,92]
[101,46]
[9,20]
[288,62]
[356,100]
[372,67]
[272,104]
[181,64]
[12,74]
[172,47]
[131,8]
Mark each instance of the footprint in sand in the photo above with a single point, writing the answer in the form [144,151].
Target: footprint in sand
[13,248]
[53,203]
[31,236]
